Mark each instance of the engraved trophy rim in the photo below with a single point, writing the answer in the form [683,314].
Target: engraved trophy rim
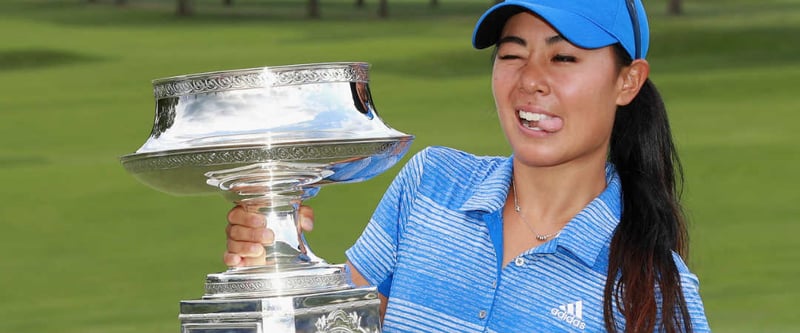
[250,70]
[260,77]
[129,158]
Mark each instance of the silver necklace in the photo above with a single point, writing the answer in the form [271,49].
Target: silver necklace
[539,237]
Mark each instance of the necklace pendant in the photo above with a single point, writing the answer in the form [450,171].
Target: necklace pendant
[541,238]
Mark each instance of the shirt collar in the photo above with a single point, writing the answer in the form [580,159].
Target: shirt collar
[490,194]
[591,229]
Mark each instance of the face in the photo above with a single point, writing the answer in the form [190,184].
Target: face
[556,102]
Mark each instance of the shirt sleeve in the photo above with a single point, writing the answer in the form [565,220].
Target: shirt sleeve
[374,253]
[691,294]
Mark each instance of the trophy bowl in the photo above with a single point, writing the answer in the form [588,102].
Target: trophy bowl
[267,139]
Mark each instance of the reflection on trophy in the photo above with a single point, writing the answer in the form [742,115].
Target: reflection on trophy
[269,138]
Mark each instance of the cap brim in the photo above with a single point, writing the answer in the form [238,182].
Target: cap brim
[575,28]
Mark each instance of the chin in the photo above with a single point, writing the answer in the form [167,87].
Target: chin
[537,160]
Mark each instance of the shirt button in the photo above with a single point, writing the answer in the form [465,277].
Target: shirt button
[494,284]
[482,314]
[519,261]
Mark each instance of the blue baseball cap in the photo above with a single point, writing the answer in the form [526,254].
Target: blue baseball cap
[588,24]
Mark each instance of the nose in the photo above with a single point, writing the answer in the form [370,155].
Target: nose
[533,79]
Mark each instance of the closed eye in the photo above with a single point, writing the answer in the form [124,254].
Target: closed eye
[508,57]
[510,47]
[563,58]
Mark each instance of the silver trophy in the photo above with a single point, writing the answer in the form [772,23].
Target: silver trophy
[267,139]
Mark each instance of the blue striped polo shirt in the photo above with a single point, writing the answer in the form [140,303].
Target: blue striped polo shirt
[434,247]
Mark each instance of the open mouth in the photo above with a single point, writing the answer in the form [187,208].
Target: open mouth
[531,119]
[540,121]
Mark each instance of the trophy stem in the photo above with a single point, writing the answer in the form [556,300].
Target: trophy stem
[275,190]
[290,267]
[289,250]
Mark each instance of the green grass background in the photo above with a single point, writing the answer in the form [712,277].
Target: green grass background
[85,248]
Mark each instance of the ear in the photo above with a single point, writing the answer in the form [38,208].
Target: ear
[632,79]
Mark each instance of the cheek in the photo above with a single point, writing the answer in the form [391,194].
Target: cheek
[501,86]
[594,104]
[592,91]
[497,89]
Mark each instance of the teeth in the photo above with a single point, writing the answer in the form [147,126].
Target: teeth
[530,116]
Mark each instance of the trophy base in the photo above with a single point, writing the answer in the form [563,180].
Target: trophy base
[354,310]
[268,281]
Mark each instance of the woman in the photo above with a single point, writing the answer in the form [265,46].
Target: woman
[580,230]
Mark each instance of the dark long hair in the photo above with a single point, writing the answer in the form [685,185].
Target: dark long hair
[652,227]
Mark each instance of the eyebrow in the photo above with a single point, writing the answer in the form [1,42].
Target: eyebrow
[517,40]
[511,39]
[555,39]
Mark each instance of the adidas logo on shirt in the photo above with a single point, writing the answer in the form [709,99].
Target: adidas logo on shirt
[571,313]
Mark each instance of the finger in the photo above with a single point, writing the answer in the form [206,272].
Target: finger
[245,249]
[240,216]
[232,259]
[253,261]
[255,235]
[306,218]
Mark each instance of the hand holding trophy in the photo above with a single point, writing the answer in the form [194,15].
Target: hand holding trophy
[267,139]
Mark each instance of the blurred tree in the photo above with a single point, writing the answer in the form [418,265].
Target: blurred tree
[383,8]
[184,8]
[120,2]
[313,8]
[675,7]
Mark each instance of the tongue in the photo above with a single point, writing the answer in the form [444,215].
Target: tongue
[551,124]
